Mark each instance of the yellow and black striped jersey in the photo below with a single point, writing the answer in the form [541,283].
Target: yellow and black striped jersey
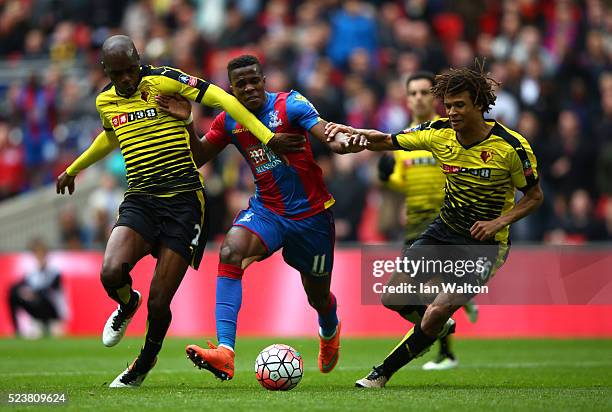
[155,145]
[418,176]
[480,178]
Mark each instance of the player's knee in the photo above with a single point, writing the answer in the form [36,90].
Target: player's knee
[113,272]
[230,255]
[434,318]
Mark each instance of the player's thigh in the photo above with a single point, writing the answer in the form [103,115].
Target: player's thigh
[241,247]
[168,275]
[183,226]
[309,244]
[125,247]
[262,224]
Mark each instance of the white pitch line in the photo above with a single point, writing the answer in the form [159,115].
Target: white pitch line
[514,365]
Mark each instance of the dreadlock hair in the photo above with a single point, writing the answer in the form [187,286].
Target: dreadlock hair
[243,61]
[475,81]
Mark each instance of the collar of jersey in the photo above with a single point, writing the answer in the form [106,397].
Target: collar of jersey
[495,124]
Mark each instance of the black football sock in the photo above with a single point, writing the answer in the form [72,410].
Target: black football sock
[410,347]
[157,327]
[445,347]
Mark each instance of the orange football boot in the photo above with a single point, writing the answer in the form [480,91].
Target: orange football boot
[218,360]
[329,351]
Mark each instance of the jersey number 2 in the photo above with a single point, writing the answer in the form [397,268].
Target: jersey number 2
[196,239]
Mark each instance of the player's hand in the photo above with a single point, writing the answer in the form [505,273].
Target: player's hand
[282,143]
[386,165]
[175,105]
[332,129]
[351,143]
[485,230]
[64,181]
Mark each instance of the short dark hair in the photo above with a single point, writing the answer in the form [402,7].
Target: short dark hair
[475,81]
[421,75]
[243,61]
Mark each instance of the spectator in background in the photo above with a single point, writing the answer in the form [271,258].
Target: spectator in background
[568,163]
[352,26]
[580,224]
[506,108]
[36,106]
[350,192]
[11,164]
[72,234]
[103,204]
[39,294]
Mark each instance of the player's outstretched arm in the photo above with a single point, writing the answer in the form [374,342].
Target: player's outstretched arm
[342,143]
[376,140]
[532,199]
[280,143]
[102,145]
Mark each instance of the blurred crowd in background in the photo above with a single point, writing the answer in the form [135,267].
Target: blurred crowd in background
[351,59]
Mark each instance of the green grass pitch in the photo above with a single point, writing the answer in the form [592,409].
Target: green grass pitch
[495,375]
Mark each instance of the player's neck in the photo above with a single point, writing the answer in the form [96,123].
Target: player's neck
[477,133]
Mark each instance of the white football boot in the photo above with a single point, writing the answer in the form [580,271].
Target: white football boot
[117,324]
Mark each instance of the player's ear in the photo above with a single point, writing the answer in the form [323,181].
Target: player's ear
[263,79]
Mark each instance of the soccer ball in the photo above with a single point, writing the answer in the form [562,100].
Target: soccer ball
[279,367]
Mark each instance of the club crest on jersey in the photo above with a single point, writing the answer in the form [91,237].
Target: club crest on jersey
[274,120]
[186,79]
[144,95]
[486,155]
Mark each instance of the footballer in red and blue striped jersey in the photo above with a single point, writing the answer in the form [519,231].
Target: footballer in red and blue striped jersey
[290,210]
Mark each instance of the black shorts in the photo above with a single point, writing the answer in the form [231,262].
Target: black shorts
[440,242]
[178,222]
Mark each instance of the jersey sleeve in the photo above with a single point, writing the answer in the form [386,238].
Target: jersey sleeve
[217,134]
[175,81]
[523,166]
[415,138]
[301,112]
[203,92]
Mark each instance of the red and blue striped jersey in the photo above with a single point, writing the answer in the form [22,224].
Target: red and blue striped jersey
[295,190]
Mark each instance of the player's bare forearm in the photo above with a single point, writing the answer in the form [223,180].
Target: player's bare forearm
[381,145]
[529,203]
[195,144]
[533,198]
[376,140]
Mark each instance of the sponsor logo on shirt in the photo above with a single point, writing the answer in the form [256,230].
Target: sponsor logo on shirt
[262,158]
[247,217]
[484,173]
[124,118]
